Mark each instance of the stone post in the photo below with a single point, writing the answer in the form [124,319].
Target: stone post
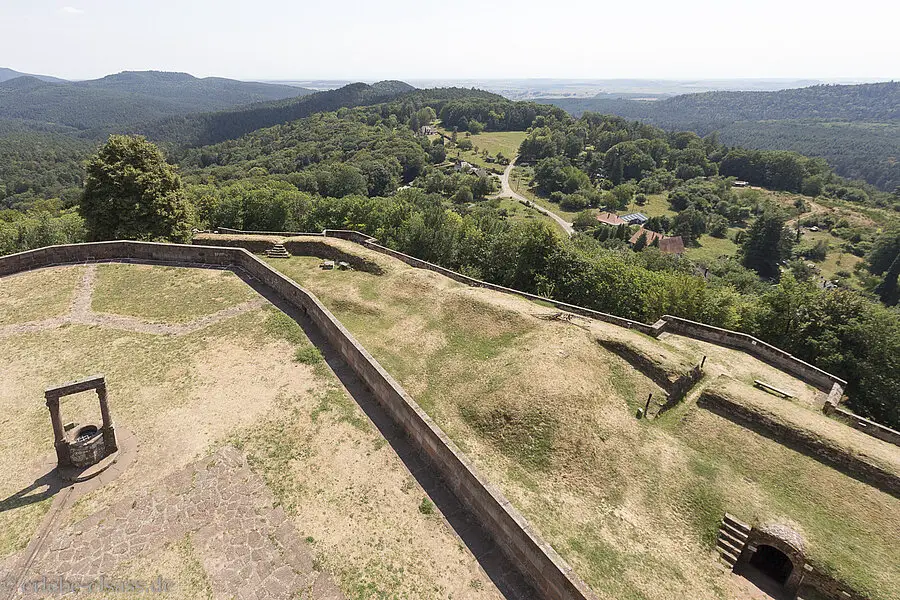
[59,434]
[109,432]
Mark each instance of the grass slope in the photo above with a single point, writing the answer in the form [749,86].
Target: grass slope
[548,415]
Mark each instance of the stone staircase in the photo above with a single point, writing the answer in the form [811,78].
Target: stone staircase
[277,251]
[732,539]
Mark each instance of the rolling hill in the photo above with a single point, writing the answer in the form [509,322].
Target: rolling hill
[854,127]
[214,127]
[128,97]
[7,74]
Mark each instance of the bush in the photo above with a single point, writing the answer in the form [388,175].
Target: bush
[718,226]
[574,202]
[308,355]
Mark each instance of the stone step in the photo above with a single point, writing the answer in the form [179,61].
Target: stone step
[736,523]
[728,557]
[277,251]
[735,533]
[729,546]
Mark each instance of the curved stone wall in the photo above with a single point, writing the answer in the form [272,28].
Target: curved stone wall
[551,577]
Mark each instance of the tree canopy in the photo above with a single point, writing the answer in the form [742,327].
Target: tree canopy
[131,192]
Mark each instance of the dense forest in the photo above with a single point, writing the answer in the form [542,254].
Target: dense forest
[854,127]
[129,97]
[366,166]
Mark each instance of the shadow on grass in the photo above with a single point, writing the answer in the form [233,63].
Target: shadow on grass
[52,483]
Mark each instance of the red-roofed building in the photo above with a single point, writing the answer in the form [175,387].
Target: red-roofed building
[667,245]
[608,218]
[672,245]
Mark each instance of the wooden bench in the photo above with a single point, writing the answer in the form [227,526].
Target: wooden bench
[771,388]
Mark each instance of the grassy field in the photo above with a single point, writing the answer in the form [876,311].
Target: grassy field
[166,294]
[657,205]
[548,415]
[516,211]
[253,381]
[505,142]
[37,295]
[709,248]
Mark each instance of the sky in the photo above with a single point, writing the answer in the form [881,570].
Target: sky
[406,39]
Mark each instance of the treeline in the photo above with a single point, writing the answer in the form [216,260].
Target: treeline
[610,150]
[478,114]
[853,127]
[45,225]
[37,165]
[857,151]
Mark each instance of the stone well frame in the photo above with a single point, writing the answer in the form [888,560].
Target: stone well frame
[55,394]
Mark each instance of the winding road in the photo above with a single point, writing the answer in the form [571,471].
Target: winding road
[506,190]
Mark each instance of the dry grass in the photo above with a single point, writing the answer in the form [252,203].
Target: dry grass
[812,424]
[235,382]
[166,294]
[548,415]
[36,295]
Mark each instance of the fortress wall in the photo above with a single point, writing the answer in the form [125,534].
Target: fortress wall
[536,559]
[868,427]
[578,310]
[278,233]
[806,442]
[755,347]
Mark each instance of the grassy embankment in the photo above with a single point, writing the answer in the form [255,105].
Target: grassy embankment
[548,415]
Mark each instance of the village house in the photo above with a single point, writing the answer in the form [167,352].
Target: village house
[667,244]
[608,218]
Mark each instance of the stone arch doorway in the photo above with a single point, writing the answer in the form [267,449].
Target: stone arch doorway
[772,563]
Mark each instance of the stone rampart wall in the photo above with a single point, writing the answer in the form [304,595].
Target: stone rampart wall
[806,442]
[872,428]
[539,563]
[755,347]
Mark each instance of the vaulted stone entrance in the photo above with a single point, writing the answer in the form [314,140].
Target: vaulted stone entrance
[772,563]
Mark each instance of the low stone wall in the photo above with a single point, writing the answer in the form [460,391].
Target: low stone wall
[539,563]
[818,584]
[872,428]
[755,347]
[578,310]
[257,244]
[803,441]
[676,385]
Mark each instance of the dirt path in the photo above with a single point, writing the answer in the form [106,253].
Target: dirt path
[506,190]
[80,312]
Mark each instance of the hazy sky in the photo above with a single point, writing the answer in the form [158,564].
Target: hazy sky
[377,39]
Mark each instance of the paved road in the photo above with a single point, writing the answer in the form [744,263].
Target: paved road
[508,191]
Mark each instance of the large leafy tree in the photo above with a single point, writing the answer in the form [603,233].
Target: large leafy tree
[765,245]
[131,192]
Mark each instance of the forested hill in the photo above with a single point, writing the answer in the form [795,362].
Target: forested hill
[129,97]
[856,128]
[7,74]
[212,128]
[873,102]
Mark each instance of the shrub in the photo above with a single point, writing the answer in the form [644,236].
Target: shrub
[308,355]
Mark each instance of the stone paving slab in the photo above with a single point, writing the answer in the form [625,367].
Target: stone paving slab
[248,547]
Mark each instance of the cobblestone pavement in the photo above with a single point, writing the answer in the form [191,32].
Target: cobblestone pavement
[248,549]
[80,312]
